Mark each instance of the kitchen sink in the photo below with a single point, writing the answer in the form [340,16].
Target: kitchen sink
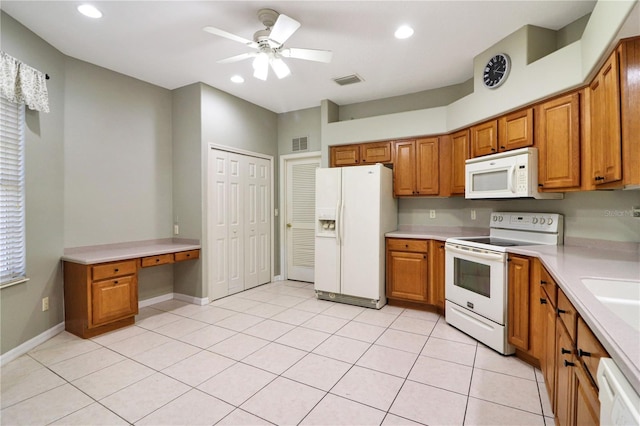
[622,297]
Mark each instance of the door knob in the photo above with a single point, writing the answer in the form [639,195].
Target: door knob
[288,225]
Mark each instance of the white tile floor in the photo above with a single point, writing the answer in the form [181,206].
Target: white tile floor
[273,355]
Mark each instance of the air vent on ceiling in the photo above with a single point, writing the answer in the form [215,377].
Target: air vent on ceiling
[299,144]
[348,79]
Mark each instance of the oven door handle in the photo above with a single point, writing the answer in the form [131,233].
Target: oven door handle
[478,254]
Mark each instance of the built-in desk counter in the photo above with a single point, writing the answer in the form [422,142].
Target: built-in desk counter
[101,282]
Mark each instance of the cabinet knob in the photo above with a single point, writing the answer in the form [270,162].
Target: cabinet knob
[543,282]
[560,311]
[442,246]
[493,149]
[157,260]
[503,147]
[565,351]
[568,364]
[583,353]
[188,254]
[116,270]
[540,185]
[543,301]
[598,178]
[115,282]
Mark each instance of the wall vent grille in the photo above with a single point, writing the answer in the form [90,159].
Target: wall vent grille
[348,79]
[299,144]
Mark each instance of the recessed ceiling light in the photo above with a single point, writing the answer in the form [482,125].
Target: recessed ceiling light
[90,11]
[404,31]
[237,79]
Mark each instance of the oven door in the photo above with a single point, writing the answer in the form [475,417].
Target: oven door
[476,279]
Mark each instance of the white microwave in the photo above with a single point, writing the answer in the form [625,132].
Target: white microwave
[510,174]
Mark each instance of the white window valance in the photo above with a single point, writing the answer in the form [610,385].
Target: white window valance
[22,84]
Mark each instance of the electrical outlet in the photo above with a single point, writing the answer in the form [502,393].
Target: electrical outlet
[635,211]
[432,214]
[176,229]
[276,212]
[473,214]
[45,304]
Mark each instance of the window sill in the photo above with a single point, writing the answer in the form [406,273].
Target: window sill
[14,282]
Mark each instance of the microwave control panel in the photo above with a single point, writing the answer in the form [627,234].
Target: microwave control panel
[521,178]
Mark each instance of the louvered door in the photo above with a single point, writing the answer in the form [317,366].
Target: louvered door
[300,217]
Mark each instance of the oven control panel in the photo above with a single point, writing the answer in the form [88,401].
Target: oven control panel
[541,222]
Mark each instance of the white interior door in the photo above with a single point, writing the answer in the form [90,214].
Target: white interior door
[300,217]
[263,206]
[236,222]
[218,219]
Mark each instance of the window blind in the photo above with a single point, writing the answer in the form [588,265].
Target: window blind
[12,226]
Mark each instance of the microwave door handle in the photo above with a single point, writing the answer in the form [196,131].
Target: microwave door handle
[512,172]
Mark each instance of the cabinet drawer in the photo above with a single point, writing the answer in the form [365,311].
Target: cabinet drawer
[549,286]
[567,314]
[187,255]
[160,259]
[407,245]
[115,269]
[113,300]
[589,348]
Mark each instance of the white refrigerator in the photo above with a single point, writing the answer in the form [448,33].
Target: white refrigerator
[354,209]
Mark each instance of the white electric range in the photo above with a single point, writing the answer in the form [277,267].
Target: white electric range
[476,273]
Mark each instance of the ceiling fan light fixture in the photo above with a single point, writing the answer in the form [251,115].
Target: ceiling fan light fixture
[280,68]
[403,31]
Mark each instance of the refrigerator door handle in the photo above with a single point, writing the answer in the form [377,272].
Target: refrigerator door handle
[338,223]
[341,220]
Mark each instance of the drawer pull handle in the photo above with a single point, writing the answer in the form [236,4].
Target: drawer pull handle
[116,270]
[157,260]
[543,282]
[188,255]
[406,245]
[565,351]
[568,364]
[583,353]
[115,282]
[560,311]
[543,301]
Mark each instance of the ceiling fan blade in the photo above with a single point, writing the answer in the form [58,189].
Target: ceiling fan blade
[238,58]
[308,54]
[283,29]
[279,67]
[225,34]
[261,66]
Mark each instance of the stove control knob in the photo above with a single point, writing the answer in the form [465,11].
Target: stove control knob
[500,218]
[549,221]
[542,221]
[495,218]
[535,220]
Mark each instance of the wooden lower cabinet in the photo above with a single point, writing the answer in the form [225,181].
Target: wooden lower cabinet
[415,273]
[587,404]
[518,290]
[564,387]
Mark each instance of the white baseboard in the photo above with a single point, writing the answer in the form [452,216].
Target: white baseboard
[195,300]
[154,300]
[30,344]
[278,278]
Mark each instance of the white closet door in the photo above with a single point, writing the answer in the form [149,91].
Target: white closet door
[251,223]
[236,223]
[218,219]
[264,220]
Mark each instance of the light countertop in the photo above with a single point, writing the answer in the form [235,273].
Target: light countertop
[89,255]
[568,264]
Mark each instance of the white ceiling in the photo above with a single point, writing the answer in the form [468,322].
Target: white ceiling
[162,42]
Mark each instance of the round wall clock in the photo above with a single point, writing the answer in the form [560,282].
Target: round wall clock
[496,70]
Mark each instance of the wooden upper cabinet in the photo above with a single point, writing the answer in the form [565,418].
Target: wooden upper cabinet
[404,168]
[459,146]
[629,57]
[484,138]
[344,155]
[427,162]
[558,140]
[606,138]
[515,130]
[416,167]
[376,152]
[360,154]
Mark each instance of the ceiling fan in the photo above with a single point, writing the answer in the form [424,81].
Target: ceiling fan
[269,45]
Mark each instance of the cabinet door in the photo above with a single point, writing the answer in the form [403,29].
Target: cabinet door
[565,362]
[407,276]
[606,144]
[459,155]
[515,130]
[484,139]
[548,361]
[113,300]
[558,138]
[427,162]
[436,280]
[586,404]
[590,350]
[345,155]
[629,56]
[404,168]
[378,152]
[518,302]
